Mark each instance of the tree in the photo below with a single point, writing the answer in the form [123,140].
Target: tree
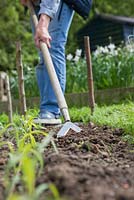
[116,7]
[13,28]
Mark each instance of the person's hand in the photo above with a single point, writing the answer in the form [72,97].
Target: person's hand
[42,33]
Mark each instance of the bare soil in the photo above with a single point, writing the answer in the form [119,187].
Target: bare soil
[95,164]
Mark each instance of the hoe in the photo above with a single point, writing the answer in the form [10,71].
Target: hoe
[55,82]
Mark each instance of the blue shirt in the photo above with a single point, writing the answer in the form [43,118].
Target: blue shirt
[48,7]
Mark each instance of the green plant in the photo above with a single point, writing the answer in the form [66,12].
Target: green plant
[3,119]
[76,76]
[113,66]
[25,161]
[31,87]
[115,116]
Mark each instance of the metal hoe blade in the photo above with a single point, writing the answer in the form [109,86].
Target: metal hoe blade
[66,127]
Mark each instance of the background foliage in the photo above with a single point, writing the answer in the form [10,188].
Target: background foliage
[15,26]
[113,67]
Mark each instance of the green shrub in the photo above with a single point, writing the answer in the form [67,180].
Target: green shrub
[76,74]
[113,67]
[31,88]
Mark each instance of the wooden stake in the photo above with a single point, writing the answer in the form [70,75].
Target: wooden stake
[19,66]
[3,93]
[1,87]
[90,74]
[9,100]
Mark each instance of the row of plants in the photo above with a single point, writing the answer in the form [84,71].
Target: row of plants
[116,116]
[25,158]
[112,67]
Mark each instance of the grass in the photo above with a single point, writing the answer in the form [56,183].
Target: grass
[115,116]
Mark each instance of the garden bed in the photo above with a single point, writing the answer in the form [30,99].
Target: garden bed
[95,164]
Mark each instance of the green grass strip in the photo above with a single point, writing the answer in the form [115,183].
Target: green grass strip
[116,116]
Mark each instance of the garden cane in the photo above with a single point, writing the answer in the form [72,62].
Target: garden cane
[54,81]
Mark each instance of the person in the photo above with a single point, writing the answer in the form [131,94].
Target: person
[55,18]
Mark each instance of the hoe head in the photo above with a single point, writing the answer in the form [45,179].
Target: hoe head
[66,127]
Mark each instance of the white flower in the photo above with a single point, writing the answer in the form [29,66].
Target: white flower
[78,52]
[96,52]
[100,50]
[76,59]
[105,50]
[28,69]
[69,57]
[111,46]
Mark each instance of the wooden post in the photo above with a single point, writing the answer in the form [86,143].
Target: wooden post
[3,92]
[90,74]
[9,100]
[19,66]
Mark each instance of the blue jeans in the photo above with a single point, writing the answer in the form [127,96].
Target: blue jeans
[58,30]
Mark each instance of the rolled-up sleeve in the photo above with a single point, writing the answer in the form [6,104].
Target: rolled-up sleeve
[49,7]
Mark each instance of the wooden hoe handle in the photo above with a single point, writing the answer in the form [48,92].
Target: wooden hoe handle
[51,70]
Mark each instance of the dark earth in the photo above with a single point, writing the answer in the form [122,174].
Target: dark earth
[96,164]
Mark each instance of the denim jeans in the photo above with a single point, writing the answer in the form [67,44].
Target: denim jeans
[58,30]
